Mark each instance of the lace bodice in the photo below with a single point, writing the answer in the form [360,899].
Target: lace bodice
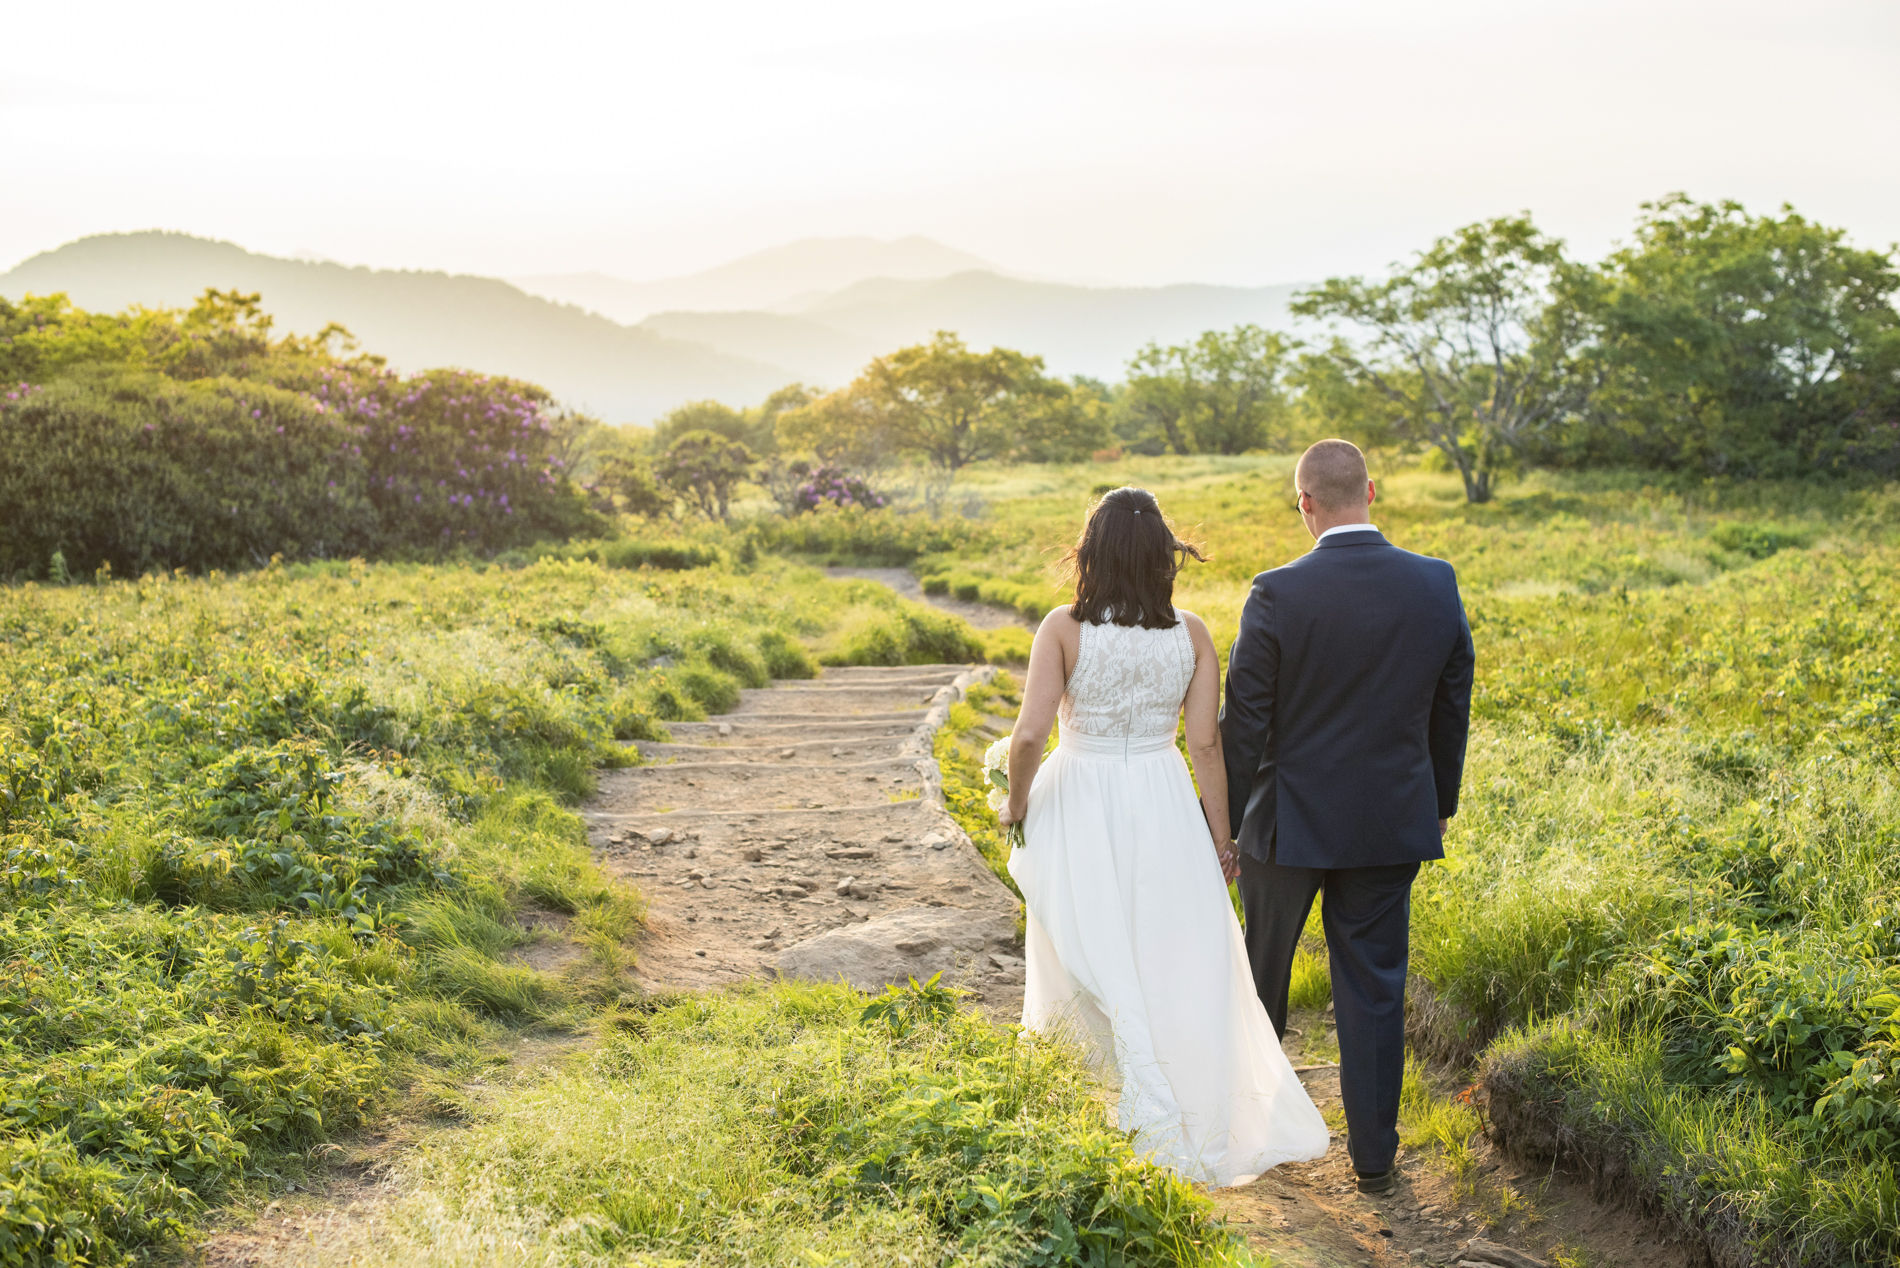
[1128,681]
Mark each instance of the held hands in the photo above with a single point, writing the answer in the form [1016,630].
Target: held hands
[1229,861]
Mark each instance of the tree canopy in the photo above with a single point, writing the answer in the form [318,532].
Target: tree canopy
[946,405]
[1728,343]
[1465,345]
[1224,392]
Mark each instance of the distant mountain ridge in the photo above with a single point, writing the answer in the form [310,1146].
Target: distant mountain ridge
[778,279]
[1090,330]
[634,373]
[419,320]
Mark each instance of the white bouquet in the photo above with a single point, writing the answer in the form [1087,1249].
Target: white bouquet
[996,770]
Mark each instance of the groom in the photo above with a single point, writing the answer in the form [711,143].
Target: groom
[1348,700]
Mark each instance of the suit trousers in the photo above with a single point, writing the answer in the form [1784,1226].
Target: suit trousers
[1367,915]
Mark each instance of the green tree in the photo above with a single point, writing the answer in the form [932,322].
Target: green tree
[703,467]
[1328,401]
[1160,393]
[1465,345]
[1223,393]
[625,484]
[755,428]
[942,403]
[721,420]
[1730,343]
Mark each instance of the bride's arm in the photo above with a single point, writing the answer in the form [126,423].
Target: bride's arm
[1203,739]
[1049,659]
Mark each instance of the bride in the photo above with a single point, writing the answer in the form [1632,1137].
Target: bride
[1132,944]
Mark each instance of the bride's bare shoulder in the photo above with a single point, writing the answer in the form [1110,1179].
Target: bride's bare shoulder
[1196,628]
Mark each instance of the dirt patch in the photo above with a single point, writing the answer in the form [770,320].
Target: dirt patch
[810,808]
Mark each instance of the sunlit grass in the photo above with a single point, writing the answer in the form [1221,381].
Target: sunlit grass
[776,1126]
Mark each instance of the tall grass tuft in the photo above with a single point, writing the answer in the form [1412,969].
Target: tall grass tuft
[781,1125]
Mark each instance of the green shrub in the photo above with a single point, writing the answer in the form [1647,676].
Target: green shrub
[785,656]
[727,654]
[193,440]
[711,690]
[145,474]
[909,634]
[1757,541]
[882,536]
[674,556]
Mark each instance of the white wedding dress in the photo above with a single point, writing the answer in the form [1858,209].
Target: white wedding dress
[1133,946]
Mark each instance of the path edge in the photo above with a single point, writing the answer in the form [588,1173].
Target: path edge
[920,745]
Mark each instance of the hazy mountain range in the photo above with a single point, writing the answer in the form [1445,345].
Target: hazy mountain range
[814,311]
[779,279]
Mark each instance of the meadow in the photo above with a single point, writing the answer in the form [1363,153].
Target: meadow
[275,841]
[1667,937]
[274,844]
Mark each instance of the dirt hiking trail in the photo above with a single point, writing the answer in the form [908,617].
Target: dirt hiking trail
[803,833]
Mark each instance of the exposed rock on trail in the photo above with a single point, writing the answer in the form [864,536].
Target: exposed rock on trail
[804,834]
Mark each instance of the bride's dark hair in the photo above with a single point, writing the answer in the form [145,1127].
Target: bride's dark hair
[1125,562]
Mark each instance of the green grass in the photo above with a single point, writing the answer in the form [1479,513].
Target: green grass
[1667,923]
[958,747]
[787,1125]
[267,841]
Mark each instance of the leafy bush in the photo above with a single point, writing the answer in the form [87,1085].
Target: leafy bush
[1757,541]
[196,441]
[910,635]
[629,552]
[882,535]
[703,467]
[834,486]
[145,473]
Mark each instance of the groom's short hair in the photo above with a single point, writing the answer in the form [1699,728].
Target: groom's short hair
[1333,472]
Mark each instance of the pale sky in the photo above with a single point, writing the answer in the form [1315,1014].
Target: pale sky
[1245,143]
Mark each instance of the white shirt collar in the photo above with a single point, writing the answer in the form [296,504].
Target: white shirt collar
[1346,528]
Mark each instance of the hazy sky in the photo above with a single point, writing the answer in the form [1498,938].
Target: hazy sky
[1247,142]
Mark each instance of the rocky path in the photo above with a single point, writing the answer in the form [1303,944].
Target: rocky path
[803,834]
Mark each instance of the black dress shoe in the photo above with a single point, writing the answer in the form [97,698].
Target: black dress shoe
[1377,1181]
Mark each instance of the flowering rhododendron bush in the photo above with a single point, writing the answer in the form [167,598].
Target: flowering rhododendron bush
[159,440]
[836,486]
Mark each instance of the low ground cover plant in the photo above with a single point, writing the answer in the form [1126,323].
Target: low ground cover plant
[796,1124]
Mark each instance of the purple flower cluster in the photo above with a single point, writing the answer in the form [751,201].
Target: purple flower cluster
[19,393]
[836,487]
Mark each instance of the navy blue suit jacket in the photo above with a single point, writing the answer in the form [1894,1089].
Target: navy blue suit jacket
[1348,703]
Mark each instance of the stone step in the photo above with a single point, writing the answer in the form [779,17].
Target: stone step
[908,717]
[744,761]
[785,747]
[755,732]
[831,702]
[784,787]
[852,673]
